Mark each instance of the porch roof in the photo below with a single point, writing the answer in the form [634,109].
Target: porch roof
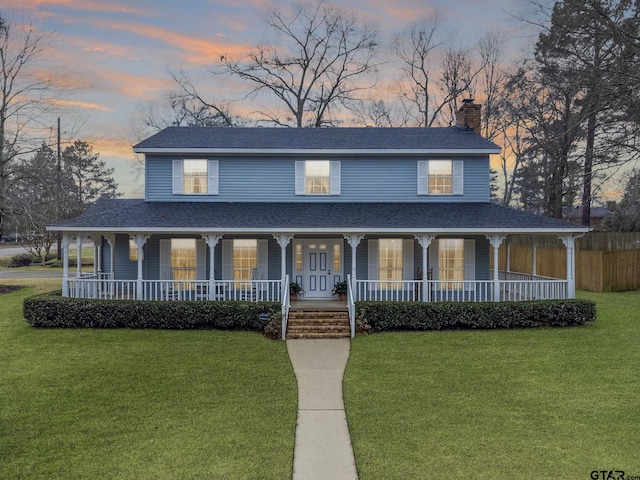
[137,215]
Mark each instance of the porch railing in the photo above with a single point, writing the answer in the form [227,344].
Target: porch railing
[459,291]
[163,290]
[351,306]
[286,302]
[102,286]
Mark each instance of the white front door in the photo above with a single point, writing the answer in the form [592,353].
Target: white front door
[317,266]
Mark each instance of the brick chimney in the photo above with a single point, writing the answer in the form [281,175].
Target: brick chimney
[468,115]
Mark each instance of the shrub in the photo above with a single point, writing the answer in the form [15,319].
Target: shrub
[55,311]
[383,316]
[273,329]
[21,260]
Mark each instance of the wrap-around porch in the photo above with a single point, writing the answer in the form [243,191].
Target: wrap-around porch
[500,285]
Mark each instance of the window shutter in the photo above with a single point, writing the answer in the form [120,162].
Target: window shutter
[177,177]
[227,259]
[373,259]
[469,259]
[165,258]
[434,259]
[407,259]
[212,171]
[423,177]
[300,190]
[263,259]
[458,177]
[334,188]
[201,260]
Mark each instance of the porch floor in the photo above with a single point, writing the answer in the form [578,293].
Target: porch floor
[319,305]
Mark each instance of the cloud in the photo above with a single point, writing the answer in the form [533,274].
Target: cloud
[88,5]
[79,104]
[197,51]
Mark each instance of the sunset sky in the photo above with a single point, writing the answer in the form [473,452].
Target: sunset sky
[118,52]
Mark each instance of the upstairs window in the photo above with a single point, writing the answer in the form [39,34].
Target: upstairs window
[440,177]
[195,177]
[317,177]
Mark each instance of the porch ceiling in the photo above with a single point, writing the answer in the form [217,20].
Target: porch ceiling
[136,215]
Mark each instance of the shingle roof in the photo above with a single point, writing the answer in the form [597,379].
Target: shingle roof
[138,215]
[445,138]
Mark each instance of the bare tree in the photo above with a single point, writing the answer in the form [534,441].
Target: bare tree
[183,105]
[25,95]
[433,76]
[316,64]
[456,79]
[416,47]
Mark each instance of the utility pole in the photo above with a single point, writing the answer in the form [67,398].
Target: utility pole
[58,195]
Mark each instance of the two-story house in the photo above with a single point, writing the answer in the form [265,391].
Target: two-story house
[237,213]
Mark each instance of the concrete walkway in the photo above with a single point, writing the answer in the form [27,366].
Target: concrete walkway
[323,445]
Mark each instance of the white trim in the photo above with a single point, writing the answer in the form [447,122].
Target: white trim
[321,151]
[335,230]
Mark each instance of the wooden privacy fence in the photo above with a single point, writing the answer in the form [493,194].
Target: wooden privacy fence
[596,271]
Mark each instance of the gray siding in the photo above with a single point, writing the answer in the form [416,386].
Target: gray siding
[271,179]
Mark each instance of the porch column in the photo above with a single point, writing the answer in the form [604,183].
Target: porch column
[425,241]
[353,241]
[569,243]
[111,240]
[97,250]
[534,259]
[65,241]
[496,241]
[508,248]
[79,240]
[283,241]
[212,241]
[140,239]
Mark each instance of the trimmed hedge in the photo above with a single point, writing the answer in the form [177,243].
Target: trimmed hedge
[385,316]
[54,311]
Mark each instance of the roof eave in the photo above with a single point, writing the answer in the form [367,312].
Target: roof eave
[332,230]
[317,151]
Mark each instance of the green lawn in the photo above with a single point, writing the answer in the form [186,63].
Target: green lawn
[544,403]
[142,404]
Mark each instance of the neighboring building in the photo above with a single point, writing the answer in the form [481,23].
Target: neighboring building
[598,214]
[233,213]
